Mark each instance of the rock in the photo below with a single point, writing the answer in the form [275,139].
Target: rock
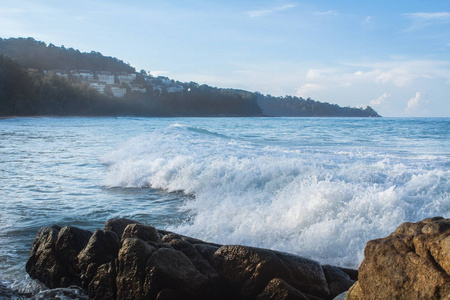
[102,248]
[278,289]
[46,263]
[146,263]
[167,294]
[118,225]
[338,280]
[411,263]
[355,292]
[103,285]
[249,270]
[207,251]
[143,232]
[71,240]
[131,273]
[177,243]
[171,269]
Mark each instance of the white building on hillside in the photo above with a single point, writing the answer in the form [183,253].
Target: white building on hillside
[117,91]
[124,77]
[138,88]
[84,75]
[175,89]
[106,77]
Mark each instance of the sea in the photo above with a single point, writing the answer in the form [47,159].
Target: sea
[316,187]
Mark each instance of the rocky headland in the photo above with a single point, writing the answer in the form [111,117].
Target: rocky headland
[129,260]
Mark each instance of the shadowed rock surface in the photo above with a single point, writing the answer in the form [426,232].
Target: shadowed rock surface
[411,263]
[129,260]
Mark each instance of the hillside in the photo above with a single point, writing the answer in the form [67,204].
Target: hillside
[40,79]
[37,55]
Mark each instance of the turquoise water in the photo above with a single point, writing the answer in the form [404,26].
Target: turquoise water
[318,187]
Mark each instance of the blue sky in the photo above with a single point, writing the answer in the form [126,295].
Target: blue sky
[391,55]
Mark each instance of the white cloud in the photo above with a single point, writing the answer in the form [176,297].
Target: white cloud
[413,103]
[317,73]
[264,12]
[380,100]
[326,13]
[430,16]
[308,88]
[424,19]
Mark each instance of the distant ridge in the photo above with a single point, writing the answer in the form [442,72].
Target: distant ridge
[41,79]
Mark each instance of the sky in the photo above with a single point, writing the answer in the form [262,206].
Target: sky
[391,55]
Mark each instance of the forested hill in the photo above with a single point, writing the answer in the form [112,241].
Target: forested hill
[37,55]
[36,79]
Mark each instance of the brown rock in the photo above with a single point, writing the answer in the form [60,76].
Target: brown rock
[103,285]
[278,289]
[177,243]
[411,263]
[251,269]
[143,232]
[102,248]
[131,264]
[45,263]
[118,225]
[71,240]
[171,269]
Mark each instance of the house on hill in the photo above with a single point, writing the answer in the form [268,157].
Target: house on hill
[125,77]
[106,77]
[117,91]
[83,75]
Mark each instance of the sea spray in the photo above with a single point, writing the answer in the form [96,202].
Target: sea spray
[322,200]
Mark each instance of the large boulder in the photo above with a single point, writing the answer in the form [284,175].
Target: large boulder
[53,255]
[411,263]
[129,260]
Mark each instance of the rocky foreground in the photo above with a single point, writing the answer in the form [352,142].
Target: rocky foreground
[128,260]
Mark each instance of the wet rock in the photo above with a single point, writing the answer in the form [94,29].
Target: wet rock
[118,225]
[103,285]
[171,269]
[48,264]
[338,280]
[143,232]
[278,289]
[177,243]
[249,270]
[131,264]
[146,263]
[411,263]
[102,248]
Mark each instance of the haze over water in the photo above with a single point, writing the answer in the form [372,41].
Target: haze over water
[317,187]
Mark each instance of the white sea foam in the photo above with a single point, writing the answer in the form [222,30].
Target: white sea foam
[324,205]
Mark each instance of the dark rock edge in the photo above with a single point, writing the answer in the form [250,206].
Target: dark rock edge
[129,260]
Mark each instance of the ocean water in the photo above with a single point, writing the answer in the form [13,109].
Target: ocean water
[317,187]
